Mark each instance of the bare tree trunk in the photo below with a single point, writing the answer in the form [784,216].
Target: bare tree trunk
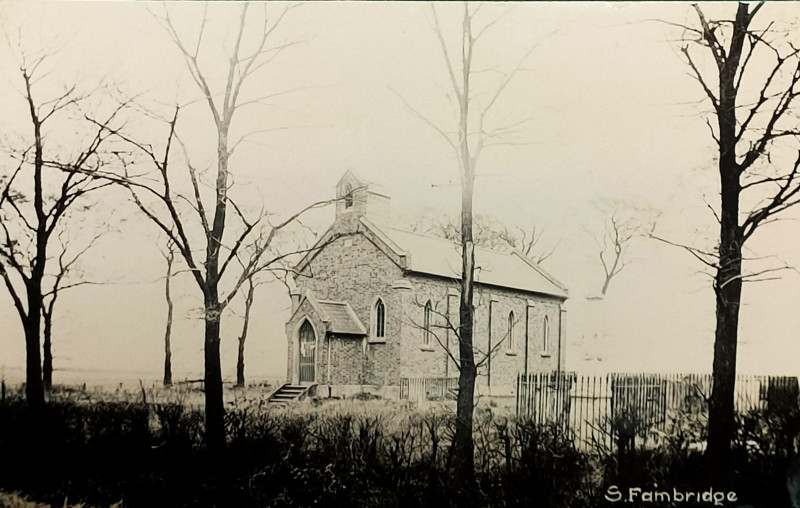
[463,444]
[728,281]
[47,347]
[34,387]
[742,141]
[168,331]
[728,291]
[467,153]
[215,409]
[721,416]
[240,381]
[47,314]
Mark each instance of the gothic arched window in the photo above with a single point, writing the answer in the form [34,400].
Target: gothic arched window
[379,318]
[510,338]
[426,325]
[546,335]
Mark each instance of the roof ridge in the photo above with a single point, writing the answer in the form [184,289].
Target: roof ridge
[458,244]
[426,235]
[541,271]
[503,268]
[351,314]
[307,296]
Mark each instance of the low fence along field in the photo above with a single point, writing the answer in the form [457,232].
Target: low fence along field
[597,408]
[427,388]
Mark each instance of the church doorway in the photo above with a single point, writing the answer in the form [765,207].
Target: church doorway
[308,346]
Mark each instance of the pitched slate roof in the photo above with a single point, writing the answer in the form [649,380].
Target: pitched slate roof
[341,317]
[420,253]
[337,317]
[437,256]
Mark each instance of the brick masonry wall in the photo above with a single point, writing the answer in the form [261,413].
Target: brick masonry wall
[506,362]
[347,361]
[418,359]
[352,268]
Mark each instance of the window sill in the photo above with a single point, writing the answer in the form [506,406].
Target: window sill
[511,353]
[375,340]
[544,354]
[427,348]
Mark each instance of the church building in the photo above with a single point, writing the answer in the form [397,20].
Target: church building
[377,306]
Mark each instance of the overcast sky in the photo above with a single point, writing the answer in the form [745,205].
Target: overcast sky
[614,117]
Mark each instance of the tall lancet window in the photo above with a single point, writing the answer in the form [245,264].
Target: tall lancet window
[546,335]
[426,325]
[510,338]
[379,320]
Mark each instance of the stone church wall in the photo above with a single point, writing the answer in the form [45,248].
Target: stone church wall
[352,269]
[500,373]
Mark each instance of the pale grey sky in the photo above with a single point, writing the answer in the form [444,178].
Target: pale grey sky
[614,116]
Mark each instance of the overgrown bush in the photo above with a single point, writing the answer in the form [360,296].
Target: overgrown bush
[764,451]
[357,454]
[543,467]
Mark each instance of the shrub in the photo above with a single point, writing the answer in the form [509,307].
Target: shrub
[357,453]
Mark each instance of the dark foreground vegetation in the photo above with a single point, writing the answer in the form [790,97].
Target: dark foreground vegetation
[361,454]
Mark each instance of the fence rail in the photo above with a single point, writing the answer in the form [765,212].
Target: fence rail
[420,389]
[598,409]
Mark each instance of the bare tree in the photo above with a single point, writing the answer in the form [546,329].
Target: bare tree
[67,259]
[488,233]
[209,273]
[169,257]
[528,241]
[473,135]
[612,247]
[47,184]
[623,224]
[752,90]
[214,272]
[209,239]
[248,305]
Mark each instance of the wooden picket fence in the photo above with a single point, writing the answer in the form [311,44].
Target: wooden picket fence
[597,409]
[419,389]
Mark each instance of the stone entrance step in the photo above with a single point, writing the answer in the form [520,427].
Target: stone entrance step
[288,393]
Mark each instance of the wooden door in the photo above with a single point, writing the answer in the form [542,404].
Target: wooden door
[308,346]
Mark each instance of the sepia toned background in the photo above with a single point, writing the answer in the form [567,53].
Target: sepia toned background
[613,123]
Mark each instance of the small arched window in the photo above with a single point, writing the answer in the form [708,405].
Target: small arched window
[546,335]
[380,319]
[348,196]
[426,325]
[510,338]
